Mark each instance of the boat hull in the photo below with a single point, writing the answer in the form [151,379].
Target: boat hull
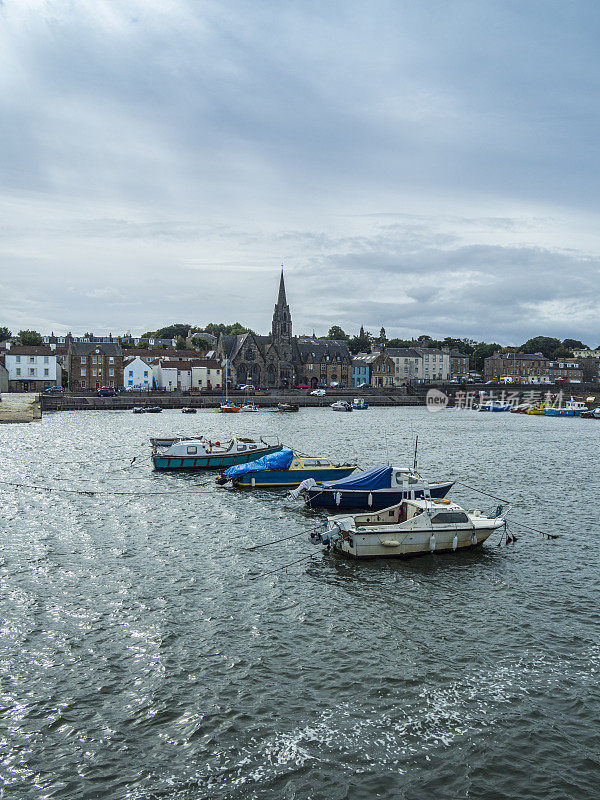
[290,479]
[410,545]
[359,499]
[208,462]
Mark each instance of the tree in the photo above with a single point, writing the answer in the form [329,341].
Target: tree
[546,345]
[382,336]
[200,343]
[30,338]
[399,343]
[481,351]
[360,343]
[335,332]
[173,331]
[5,334]
[217,328]
[180,343]
[574,344]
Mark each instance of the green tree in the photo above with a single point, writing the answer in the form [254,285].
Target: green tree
[400,343]
[382,336]
[200,343]
[5,334]
[30,338]
[180,343]
[173,331]
[481,351]
[546,345]
[360,343]
[335,332]
[574,344]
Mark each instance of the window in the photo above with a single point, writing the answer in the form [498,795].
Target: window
[111,360]
[448,517]
[241,447]
[83,359]
[130,373]
[46,372]
[94,360]
[46,360]
[18,370]
[83,370]
[111,372]
[32,371]
[18,359]
[83,384]
[94,372]
[32,359]
[130,383]
[145,373]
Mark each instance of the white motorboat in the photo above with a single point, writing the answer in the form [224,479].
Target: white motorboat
[341,405]
[358,404]
[410,528]
[249,407]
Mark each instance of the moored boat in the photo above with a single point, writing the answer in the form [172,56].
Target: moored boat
[410,528]
[358,404]
[202,453]
[188,410]
[537,410]
[341,405]
[572,408]
[288,407]
[229,407]
[372,489]
[249,407]
[495,405]
[285,469]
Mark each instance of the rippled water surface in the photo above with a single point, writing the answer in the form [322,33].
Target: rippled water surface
[145,654]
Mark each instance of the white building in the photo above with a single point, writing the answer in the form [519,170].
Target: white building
[407,362]
[434,364]
[32,368]
[172,375]
[137,373]
[206,374]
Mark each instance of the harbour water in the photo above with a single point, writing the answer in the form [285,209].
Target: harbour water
[145,654]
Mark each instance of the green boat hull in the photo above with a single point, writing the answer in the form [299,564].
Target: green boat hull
[193,463]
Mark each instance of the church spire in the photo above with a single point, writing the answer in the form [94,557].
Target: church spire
[281,300]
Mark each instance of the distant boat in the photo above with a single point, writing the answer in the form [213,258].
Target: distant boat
[358,404]
[188,410]
[572,408]
[495,405]
[341,405]
[287,407]
[249,407]
[229,408]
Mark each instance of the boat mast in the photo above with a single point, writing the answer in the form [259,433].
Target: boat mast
[415,458]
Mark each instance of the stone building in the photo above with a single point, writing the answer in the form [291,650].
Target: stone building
[282,360]
[95,364]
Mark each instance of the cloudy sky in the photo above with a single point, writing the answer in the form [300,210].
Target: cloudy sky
[427,166]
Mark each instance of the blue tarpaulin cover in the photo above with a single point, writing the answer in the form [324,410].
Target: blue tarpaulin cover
[280,460]
[372,479]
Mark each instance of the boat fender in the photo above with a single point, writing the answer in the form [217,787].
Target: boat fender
[370,500]
[473,538]
[218,444]
[432,542]
[253,482]
[338,498]
[390,543]
[455,542]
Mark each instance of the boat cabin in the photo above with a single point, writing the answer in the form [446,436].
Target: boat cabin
[431,513]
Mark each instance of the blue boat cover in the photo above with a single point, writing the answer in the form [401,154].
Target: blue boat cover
[280,460]
[372,479]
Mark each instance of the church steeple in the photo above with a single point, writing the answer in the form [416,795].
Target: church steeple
[281,300]
[282,323]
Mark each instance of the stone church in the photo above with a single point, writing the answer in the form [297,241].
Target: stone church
[282,360]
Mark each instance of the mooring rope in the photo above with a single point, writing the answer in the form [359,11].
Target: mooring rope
[283,566]
[282,539]
[91,492]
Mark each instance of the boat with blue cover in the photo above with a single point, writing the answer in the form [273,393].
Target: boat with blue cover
[376,488]
[572,408]
[284,470]
[202,453]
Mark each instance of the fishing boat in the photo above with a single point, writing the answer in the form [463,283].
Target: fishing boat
[288,407]
[374,489]
[202,453]
[284,469]
[410,528]
[537,410]
[572,408]
[494,405]
[358,404]
[188,410]
[229,407]
[341,405]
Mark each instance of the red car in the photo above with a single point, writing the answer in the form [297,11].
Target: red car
[302,386]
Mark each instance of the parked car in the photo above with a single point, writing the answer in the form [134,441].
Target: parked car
[53,389]
[362,386]
[318,392]
[106,391]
